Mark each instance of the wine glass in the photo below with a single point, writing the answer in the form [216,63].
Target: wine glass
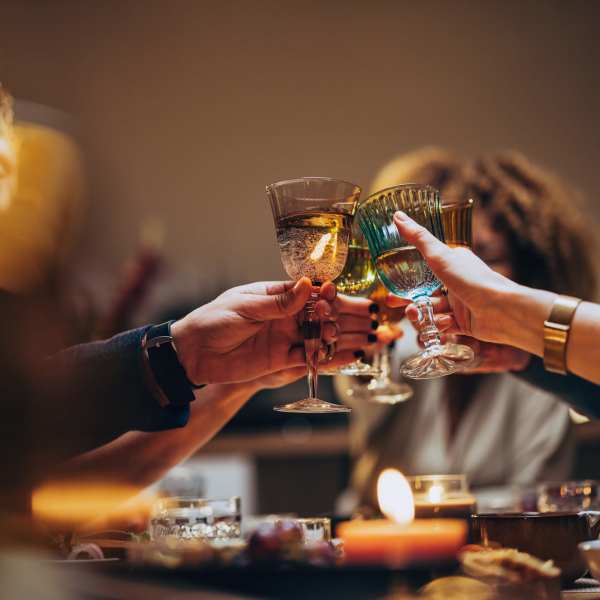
[313,219]
[457,219]
[358,279]
[405,273]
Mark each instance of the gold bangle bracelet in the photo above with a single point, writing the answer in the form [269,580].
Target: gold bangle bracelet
[556,333]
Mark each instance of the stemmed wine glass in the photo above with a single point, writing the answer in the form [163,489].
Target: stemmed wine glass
[405,273]
[358,278]
[313,219]
[457,219]
[382,389]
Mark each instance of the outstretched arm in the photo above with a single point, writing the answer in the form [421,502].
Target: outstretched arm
[483,304]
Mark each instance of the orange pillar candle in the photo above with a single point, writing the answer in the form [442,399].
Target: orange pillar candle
[400,539]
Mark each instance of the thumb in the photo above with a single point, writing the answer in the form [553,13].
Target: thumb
[432,249]
[278,300]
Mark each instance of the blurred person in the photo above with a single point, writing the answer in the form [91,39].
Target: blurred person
[495,428]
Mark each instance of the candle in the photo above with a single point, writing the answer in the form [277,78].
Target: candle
[442,496]
[400,539]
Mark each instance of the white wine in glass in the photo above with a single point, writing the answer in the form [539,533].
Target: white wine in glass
[358,278]
[313,220]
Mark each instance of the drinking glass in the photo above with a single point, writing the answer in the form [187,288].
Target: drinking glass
[457,219]
[442,496]
[568,496]
[405,273]
[382,389]
[313,219]
[196,518]
[358,278]
[315,529]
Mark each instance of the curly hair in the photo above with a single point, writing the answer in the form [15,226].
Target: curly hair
[550,242]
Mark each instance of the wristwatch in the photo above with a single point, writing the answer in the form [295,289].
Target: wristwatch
[164,368]
[556,333]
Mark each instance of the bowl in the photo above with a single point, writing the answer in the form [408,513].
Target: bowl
[548,536]
[591,552]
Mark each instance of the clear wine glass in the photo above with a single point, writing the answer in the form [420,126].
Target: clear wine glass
[405,273]
[313,219]
[457,221]
[358,278]
[382,389]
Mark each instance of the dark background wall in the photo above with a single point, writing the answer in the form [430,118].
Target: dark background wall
[188,108]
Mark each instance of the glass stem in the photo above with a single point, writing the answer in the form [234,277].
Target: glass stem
[311,329]
[384,364]
[428,332]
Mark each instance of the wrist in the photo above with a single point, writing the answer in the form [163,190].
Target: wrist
[525,310]
[187,351]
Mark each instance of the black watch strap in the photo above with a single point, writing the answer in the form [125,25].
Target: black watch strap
[164,364]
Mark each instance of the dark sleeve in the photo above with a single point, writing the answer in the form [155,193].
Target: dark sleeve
[98,391]
[582,395]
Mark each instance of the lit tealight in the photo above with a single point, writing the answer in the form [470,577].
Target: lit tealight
[435,494]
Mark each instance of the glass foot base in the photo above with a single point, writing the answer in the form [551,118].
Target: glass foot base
[438,361]
[312,405]
[359,368]
[388,392]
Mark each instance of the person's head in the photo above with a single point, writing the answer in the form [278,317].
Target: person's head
[527,224]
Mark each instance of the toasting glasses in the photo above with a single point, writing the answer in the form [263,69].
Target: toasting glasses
[313,219]
[406,274]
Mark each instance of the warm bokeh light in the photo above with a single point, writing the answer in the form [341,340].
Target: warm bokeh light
[395,497]
[320,247]
[74,504]
[435,493]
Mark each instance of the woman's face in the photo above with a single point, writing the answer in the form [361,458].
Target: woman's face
[490,245]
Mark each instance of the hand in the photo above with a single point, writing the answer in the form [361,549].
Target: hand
[493,358]
[252,330]
[476,294]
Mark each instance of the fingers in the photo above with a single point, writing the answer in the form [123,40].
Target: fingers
[354,324]
[386,335]
[267,301]
[440,305]
[330,332]
[356,341]
[353,305]
[395,301]
[424,241]
[496,358]
[327,311]
[328,291]
[341,358]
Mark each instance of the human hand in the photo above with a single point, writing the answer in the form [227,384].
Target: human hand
[493,358]
[251,331]
[476,294]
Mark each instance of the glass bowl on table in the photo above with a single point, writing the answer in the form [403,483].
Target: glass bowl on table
[196,519]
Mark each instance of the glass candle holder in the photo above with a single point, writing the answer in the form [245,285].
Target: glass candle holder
[568,496]
[316,529]
[196,518]
[442,496]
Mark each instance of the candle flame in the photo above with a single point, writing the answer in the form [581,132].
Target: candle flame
[320,246]
[395,497]
[435,494]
